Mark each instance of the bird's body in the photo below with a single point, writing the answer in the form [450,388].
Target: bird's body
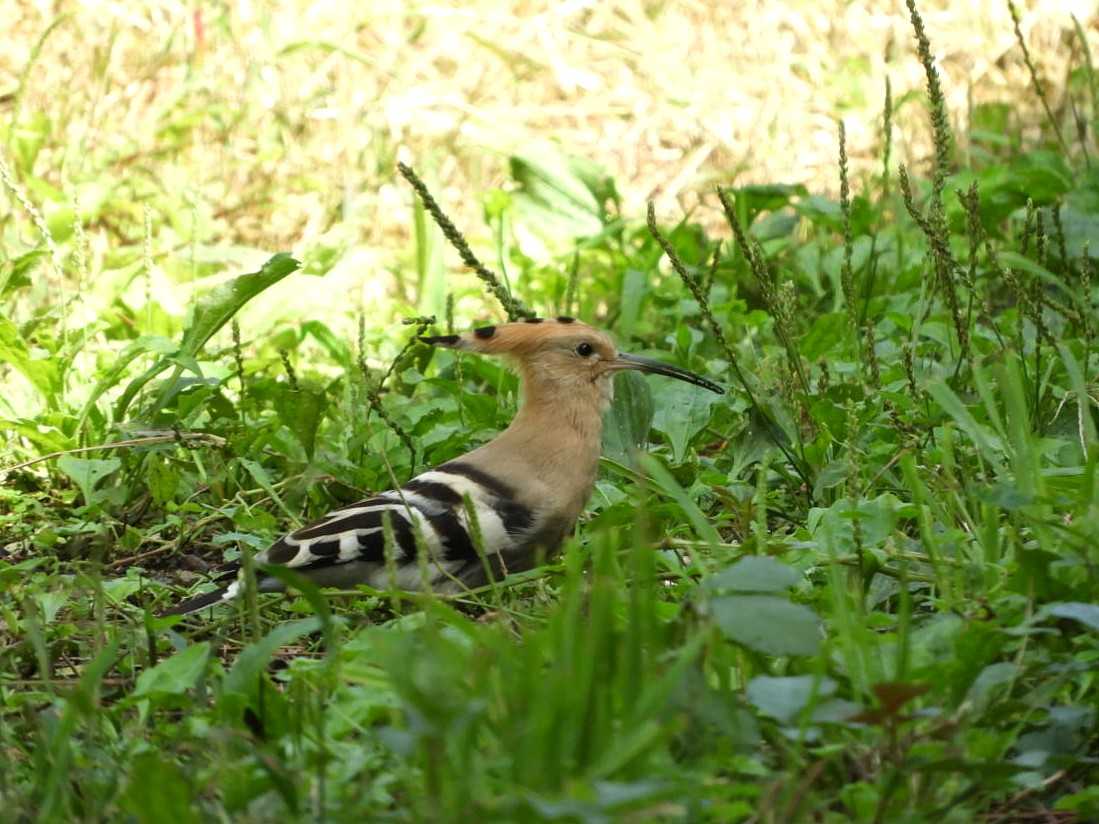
[525,489]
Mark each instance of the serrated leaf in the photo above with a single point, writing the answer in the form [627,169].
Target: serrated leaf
[86,473]
[1024,264]
[212,311]
[215,308]
[254,657]
[988,681]
[162,480]
[333,344]
[820,211]
[766,197]
[768,624]
[833,474]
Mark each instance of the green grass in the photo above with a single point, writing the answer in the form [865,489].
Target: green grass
[860,586]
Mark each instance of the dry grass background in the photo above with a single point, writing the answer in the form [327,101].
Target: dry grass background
[271,125]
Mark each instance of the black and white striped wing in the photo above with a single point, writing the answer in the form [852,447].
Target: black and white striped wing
[348,546]
[430,508]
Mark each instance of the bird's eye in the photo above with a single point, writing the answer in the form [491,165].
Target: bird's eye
[584,349]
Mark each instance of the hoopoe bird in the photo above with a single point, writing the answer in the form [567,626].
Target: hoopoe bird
[525,488]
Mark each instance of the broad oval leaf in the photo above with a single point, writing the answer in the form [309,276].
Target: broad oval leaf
[768,624]
[754,573]
[1084,613]
[785,698]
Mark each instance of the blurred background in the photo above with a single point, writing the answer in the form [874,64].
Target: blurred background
[208,135]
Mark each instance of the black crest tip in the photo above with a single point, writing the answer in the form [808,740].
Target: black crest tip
[532,320]
[565,319]
[485,332]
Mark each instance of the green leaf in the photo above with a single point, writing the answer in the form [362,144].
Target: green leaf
[158,791]
[260,476]
[992,680]
[774,226]
[1080,227]
[253,658]
[175,675]
[986,441]
[1024,264]
[768,624]
[161,478]
[1042,175]
[1083,399]
[630,416]
[833,474]
[754,573]
[333,344]
[635,285]
[431,271]
[556,197]
[827,335]
[1086,614]
[86,473]
[15,274]
[682,411]
[218,306]
[241,685]
[211,313]
[765,197]
[664,481]
[120,363]
[302,411]
[43,373]
[50,603]
[820,211]
[1084,803]
[311,593]
[548,174]
[784,698]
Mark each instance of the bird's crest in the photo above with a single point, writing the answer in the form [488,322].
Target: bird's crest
[523,338]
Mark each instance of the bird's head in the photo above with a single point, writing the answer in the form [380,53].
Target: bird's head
[562,357]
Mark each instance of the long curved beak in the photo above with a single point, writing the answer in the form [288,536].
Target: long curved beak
[655,367]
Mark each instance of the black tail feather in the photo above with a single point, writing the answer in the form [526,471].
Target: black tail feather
[207,599]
